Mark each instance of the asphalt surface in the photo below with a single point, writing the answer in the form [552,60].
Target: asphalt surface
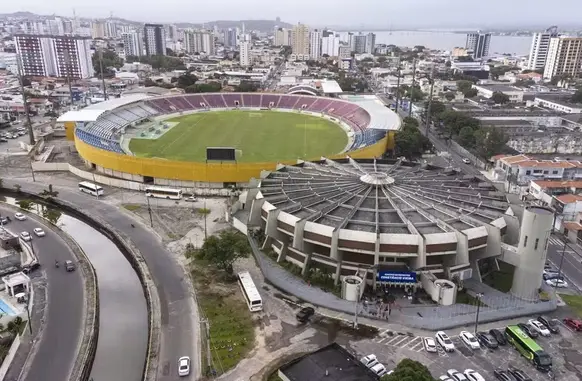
[57,349]
[176,303]
[571,264]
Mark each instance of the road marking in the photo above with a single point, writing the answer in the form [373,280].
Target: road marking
[401,341]
[413,341]
[381,340]
[397,337]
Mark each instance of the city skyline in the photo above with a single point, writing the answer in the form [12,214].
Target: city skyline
[416,13]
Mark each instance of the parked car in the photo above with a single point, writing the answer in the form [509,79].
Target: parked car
[39,232]
[473,375]
[19,216]
[379,369]
[369,360]
[574,324]
[466,161]
[552,275]
[27,269]
[429,344]
[539,327]
[528,330]
[445,378]
[498,336]
[456,375]
[69,266]
[551,324]
[191,199]
[557,282]
[304,314]
[503,375]
[469,340]
[487,340]
[3,140]
[183,366]
[518,374]
[4,220]
[26,236]
[445,341]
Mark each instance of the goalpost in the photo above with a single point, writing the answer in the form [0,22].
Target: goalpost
[238,153]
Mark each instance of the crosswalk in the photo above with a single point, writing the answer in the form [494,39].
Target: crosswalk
[409,342]
[556,241]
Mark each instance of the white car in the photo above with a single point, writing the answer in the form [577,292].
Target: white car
[19,216]
[539,327]
[473,375]
[379,369]
[39,232]
[557,283]
[429,344]
[445,378]
[26,236]
[183,366]
[369,360]
[469,340]
[444,341]
[456,375]
[466,161]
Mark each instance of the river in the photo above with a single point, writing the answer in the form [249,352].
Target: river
[516,45]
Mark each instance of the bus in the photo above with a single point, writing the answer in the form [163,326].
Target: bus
[94,189]
[159,192]
[528,348]
[250,292]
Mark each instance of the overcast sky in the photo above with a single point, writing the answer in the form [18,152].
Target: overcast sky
[396,13]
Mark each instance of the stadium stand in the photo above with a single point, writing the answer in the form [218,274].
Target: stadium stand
[367,122]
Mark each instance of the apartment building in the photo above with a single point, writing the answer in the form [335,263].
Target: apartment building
[540,44]
[282,37]
[245,53]
[199,41]
[330,43]
[300,40]
[564,57]
[155,40]
[315,44]
[54,56]
[132,44]
[478,43]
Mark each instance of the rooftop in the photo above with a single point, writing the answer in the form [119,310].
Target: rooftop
[498,87]
[546,184]
[562,99]
[330,363]
[569,198]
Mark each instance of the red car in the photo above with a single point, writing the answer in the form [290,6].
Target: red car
[576,325]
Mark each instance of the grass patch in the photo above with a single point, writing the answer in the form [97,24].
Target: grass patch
[464,298]
[203,211]
[232,334]
[501,280]
[131,207]
[271,137]
[574,302]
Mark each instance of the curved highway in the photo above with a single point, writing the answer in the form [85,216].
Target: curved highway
[57,350]
[176,303]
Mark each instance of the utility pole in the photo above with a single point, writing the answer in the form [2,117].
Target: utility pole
[69,69]
[205,218]
[356,307]
[25,101]
[102,76]
[412,88]
[398,86]
[208,345]
[429,101]
[479,296]
[150,212]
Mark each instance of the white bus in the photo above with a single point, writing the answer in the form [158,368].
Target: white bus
[87,187]
[173,194]
[250,292]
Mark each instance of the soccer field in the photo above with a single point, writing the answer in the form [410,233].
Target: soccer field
[261,136]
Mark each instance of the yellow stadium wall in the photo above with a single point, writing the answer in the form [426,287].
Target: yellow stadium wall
[70,130]
[202,172]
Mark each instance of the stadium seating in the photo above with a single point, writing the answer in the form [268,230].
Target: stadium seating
[105,132]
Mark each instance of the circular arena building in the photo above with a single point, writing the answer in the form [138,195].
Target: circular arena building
[361,217]
[150,140]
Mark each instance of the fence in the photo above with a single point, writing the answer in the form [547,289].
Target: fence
[9,357]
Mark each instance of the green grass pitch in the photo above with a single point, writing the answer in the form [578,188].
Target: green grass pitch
[262,136]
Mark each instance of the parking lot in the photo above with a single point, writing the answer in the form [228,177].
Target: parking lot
[564,347]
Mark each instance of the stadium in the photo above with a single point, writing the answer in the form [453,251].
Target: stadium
[162,140]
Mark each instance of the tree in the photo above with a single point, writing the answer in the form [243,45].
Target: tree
[25,204]
[490,141]
[26,82]
[577,96]
[466,137]
[415,94]
[409,370]
[500,98]
[470,93]
[223,250]
[464,86]
[186,80]
[382,59]
[110,61]
[448,64]
[246,87]
[436,108]
[210,87]
[165,63]
[410,121]
[52,215]
[450,95]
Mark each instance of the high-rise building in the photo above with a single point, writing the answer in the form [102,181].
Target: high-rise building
[564,57]
[110,29]
[300,39]
[68,27]
[478,43]
[370,43]
[155,40]
[314,44]
[173,32]
[330,43]
[351,41]
[98,29]
[245,53]
[132,44]
[55,27]
[54,56]
[230,38]
[281,37]
[538,53]
[199,41]
[344,51]
[360,43]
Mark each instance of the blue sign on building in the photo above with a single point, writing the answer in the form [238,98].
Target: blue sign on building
[396,276]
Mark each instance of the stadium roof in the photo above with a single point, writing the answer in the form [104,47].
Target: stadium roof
[83,115]
[92,112]
[384,196]
[381,117]
[331,87]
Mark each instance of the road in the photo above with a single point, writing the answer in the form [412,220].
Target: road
[179,316]
[57,350]
[572,263]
